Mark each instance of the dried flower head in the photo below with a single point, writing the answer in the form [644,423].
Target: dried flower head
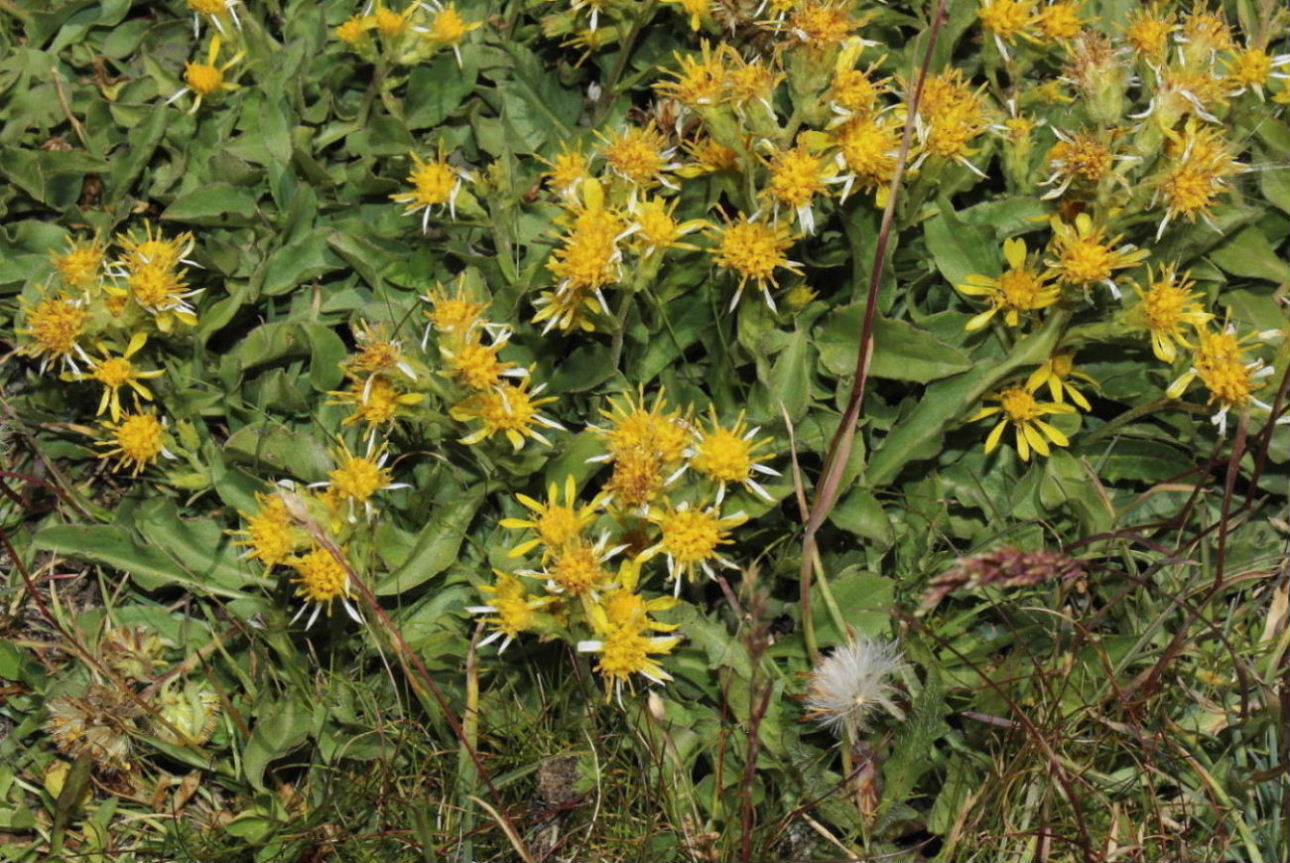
[851,682]
[1003,567]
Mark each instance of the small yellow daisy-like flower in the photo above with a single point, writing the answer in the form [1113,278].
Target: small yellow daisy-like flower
[691,539]
[453,313]
[1008,20]
[634,426]
[700,82]
[81,266]
[578,567]
[509,409]
[655,228]
[376,401]
[1250,69]
[136,441]
[640,156]
[1166,307]
[117,372]
[636,482]
[626,608]
[1056,372]
[53,328]
[377,354]
[556,524]
[353,30]
[753,250]
[390,24]
[204,80]
[589,257]
[449,28]
[821,24]
[153,248]
[216,11]
[435,184]
[163,292]
[709,157]
[568,169]
[1085,256]
[357,479]
[697,10]
[1220,362]
[476,365]
[272,536]
[1148,33]
[626,650]
[1193,182]
[1024,413]
[1080,158]
[868,148]
[729,455]
[567,310]
[1060,20]
[797,175]
[321,579]
[512,611]
[1022,288]
[951,116]
[1204,34]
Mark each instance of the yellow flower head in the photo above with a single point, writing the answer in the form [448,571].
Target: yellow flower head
[1085,256]
[435,184]
[1167,307]
[589,257]
[375,401]
[869,148]
[1021,288]
[709,157]
[797,175]
[1008,20]
[53,328]
[856,92]
[1060,20]
[353,30]
[729,455]
[637,480]
[390,24]
[1082,158]
[691,539]
[1056,372]
[556,524]
[568,169]
[509,409]
[577,568]
[81,266]
[320,580]
[1203,35]
[117,372]
[136,441]
[207,79]
[753,250]
[640,156]
[821,24]
[633,426]
[1220,362]
[154,248]
[1019,408]
[453,313]
[700,82]
[1194,178]
[697,10]
[624,651]
[952,116]
[476,365]
[655,229]
[511,610]
[356,479]
[1148,33]
[1251,68]
[272,536]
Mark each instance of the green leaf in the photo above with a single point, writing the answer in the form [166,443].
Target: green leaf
[912,751]
[213,204]
[437,543]
[297,263]
[861,513]
[1249,254]
[286,451]
[283,726]
[273,342]
[901,351]
[436,89]
[960,250]
[864,599]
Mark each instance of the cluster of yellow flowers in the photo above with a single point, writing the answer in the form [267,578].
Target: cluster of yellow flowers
[408,36]
[114,305]
[644,512]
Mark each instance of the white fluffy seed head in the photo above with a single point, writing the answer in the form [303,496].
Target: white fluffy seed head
[851,682]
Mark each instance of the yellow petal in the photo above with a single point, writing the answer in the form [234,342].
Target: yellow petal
[1023,448]
[980,320]
[1035,439]
[1054,434]
[996,435]
[1014,252]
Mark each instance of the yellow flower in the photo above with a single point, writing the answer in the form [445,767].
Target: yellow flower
[567,309]
[577,567]
[1251,68]
[271,534]
[710,157]
[691,539]
[377,354]
[1056,372]
[376,401]
[821,24]
[640,156]
[556,524]
[513,610]
[353,30]
[434,184]
[153,249]
[797,175]
[136,441]
[1060,20]
[951,115]
[728,455]
[81,266]
[868,147]
[1082,157]
[216,10]
[588,257]
[633,426]
[1007,20]
[390,24]
[1022,288]
[1148,33]
[1204,34]
[476,364]
[54,326]
[357,479]
[754,250]
[655,229]
[449,28]
[1085,256]
[700,81]
[1166,307]
[321,579]
[624,651]
[1219,361]
[453,314]
[163,292]
[568,169]
[1020,410]
[116,372]
[624,607]
[508,408]
[696,9]
[1191,184]
[637,480]
[854,92]
[204,80]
